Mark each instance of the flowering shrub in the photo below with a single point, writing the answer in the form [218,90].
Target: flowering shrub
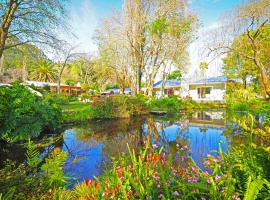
[243,173]
[152,174]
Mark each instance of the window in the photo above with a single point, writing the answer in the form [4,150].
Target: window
[208,90]
[202,92]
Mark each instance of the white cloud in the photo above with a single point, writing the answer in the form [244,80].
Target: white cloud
[83,19]
[197,54]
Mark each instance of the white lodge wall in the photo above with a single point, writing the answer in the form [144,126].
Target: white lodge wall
[207,91]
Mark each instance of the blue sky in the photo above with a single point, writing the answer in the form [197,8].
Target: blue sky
[210,11]
[85,16]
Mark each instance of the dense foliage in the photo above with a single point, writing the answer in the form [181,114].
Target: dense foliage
[166,104]
[23,114]
[118,107]
[175,104]
[27,182]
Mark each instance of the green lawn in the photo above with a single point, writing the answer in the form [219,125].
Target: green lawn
[75,106]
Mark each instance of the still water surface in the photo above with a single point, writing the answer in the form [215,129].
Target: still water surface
[92,146]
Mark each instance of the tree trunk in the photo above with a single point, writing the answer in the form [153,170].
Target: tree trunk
[122,89]
[244,82]
[6,20]
[265,82]
[263,77]
[139,79]
[2,68]
[25,73]
[150,88]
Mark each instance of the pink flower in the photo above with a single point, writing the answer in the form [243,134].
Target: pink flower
[194,169]
[160,196]
[235,197]
[155,146]
[184,148]
[217,177]
[156,176]
[177,145]
[208,181]
[223,190]
[207,162]
[176,193]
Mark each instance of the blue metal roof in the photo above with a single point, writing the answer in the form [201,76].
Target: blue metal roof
[218,79]
[168,84]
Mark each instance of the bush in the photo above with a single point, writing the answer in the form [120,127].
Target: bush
[78,115]
[24,115]
[172,104]
[60,99]
[242,99]
[118,107]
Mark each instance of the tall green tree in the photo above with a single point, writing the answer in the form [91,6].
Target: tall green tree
[237,66]
[25,21]
[147,38]
[46,71]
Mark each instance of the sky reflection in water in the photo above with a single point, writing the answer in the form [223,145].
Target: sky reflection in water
[91,146]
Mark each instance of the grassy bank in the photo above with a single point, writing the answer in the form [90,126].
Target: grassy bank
[104,108]
[127,106]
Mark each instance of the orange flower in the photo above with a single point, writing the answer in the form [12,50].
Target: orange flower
[119,171]
[156,157]
[149,157]
[106,192]
[129,194]
[180,173]
[117,187]
[96,185]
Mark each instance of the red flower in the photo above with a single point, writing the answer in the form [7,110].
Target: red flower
[87,181]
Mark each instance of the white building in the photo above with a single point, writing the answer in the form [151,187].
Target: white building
[210,89]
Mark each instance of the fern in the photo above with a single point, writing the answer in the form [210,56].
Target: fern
[32,155]
[53,170]
[253,188]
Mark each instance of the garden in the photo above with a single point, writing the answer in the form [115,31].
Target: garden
[145,99]
[150,170]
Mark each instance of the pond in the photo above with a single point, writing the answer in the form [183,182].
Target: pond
[92,146]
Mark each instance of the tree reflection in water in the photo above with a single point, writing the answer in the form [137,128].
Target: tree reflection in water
[93,145]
